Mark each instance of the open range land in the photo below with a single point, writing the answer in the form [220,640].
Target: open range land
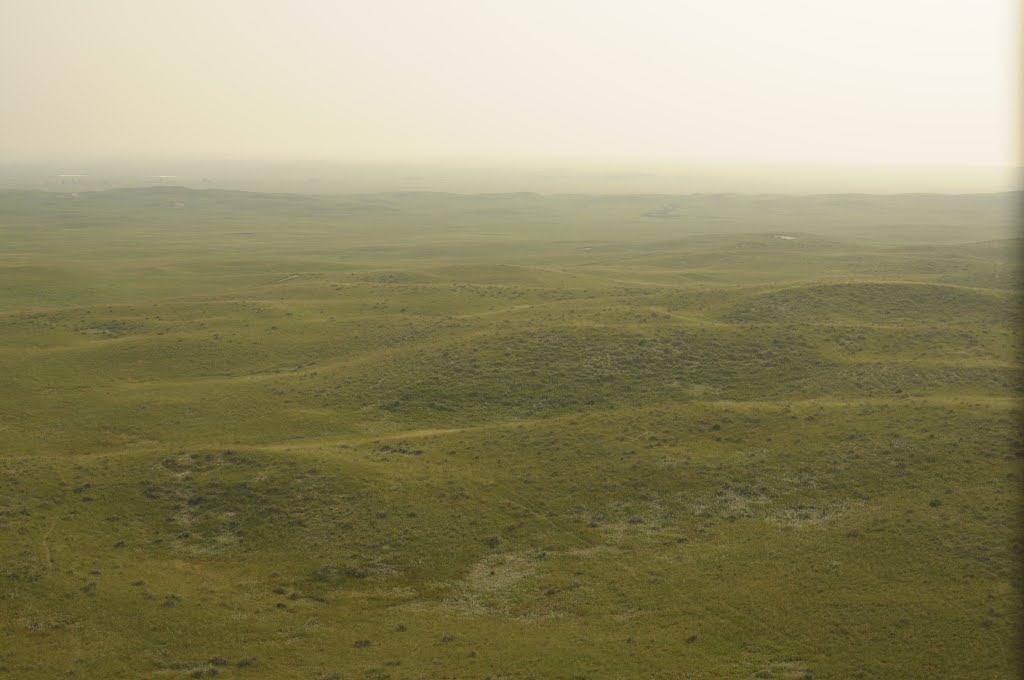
[509,436]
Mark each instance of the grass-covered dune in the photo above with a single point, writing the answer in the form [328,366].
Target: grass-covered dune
[509,436]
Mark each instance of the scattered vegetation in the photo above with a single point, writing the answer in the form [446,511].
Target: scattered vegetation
[408,436]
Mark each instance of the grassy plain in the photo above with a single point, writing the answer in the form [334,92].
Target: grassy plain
[509,436]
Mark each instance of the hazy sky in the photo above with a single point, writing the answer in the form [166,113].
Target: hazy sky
[759,81]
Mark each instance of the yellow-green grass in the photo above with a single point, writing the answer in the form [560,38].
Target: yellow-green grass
[433,436]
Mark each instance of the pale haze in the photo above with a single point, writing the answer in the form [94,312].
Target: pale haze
[873,83]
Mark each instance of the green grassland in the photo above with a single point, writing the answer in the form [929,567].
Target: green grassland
[509,436]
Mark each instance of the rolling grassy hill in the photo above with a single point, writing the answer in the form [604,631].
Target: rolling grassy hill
[509,436]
